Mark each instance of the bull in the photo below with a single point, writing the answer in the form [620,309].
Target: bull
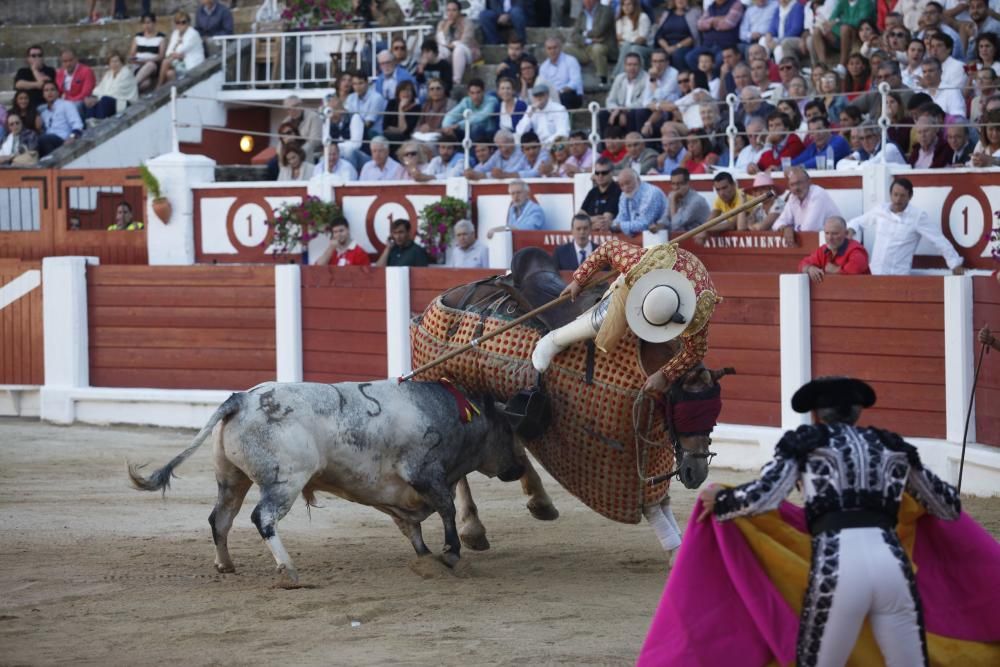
[400,448]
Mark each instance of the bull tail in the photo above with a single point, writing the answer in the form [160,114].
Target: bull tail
[160,479]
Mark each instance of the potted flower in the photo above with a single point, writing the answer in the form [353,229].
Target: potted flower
[294,225]
[161,205]
[437,222]
[305,14]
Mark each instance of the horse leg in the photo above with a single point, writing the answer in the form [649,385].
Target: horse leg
[539,503]
[667,531]
[471,530]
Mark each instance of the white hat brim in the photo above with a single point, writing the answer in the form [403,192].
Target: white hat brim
[638,323]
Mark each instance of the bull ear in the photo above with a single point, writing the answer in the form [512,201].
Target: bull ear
[721,373]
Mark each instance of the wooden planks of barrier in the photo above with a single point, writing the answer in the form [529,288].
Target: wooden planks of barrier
[986,311]
[190,327]
[343,323]
[427,283]
[890,333]
[21,343]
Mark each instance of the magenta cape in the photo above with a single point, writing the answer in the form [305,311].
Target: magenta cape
[720,607]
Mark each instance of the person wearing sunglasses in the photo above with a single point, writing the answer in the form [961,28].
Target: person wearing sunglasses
[33,76]
[601,202]
[185,50]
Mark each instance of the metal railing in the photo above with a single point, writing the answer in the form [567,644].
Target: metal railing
[298,59]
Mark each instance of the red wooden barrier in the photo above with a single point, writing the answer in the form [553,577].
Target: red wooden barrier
[343,323]
[21,353]
[428,283]
[192,327]
[888,331]
[986,311]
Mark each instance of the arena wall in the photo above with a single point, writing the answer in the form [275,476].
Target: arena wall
[986,311]
[21,354]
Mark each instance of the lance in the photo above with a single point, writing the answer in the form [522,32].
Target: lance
[476,342]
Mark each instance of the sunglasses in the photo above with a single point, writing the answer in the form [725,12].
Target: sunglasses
[601,173]
[559,147]
[34,55]
[410,154]
[181,22]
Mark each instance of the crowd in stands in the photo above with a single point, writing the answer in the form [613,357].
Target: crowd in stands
[53,107]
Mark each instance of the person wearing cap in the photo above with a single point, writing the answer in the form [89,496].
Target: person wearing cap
[853,480]
[545,117]
[764,216]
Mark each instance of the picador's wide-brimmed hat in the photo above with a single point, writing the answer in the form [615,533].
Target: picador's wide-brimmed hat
[833,392]
[660,305]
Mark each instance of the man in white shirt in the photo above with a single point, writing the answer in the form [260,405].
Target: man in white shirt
[366,103]
[869,136]
[381,167]
[562,71]
[898,228]
[546,118]
[949,99]
[332,165]
[952,69]
[468,252]
[625,98]
[448,163]
[808,205]
[754,150]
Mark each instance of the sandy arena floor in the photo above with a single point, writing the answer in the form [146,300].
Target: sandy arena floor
[93,572]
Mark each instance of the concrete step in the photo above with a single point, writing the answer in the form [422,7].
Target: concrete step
[71,11]
[240,172]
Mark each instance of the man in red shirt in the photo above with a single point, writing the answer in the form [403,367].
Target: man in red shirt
[782,142]
[75,80]
[342,250]
[838,255]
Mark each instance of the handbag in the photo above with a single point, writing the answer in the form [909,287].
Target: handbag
[25,158]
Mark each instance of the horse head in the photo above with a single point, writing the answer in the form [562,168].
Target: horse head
[694,402]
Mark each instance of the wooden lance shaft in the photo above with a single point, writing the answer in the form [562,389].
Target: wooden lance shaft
[475,342]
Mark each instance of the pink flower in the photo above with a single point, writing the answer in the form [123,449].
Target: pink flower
[442,228]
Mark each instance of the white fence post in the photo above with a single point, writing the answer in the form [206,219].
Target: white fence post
[959,345]
[397,320]
[501,248]
[65,341]
[172,242]
[796,344]
[288,322]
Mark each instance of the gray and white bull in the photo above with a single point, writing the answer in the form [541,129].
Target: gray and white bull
[400,448]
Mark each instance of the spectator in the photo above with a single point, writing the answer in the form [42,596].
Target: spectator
[930,23]
[850,117]
[808,205]
[468,252]
[986,86]
[662,87]
[871,148]
[343,250]
[760,77]
[481,153]
[537,161]
[980,23]
[624,103]
[832,98]
[347,130]
[952,69]
[345,85]
[889,72]
[511,108]
[686,209]
[784,37]
[381,167]
[727,198]
[115,92]
[898,229]
[699,157]
[931,151]
[58,120]
[75,80]
[987,152]
[309,126]
[390,75]
[899,123]
[839,255]
[757,20]
[601,202]
[415,158]
[385,13]
[33,77]
[764,216]
[987,47]
[511,65]
[841,30]
[503,14]
[896,39]
[825,148]
[184,50]
[448,163]
[949,99]
[213,19]
[752,105]
[641,204]
[402,54]
[706,66]
[740,79]
[719,27]
[124,221]
[638,157]
[783,143]
[367,103]
[545,117]
[437,105]
[562,71]
[961,147]
[858,77]
[523,213]
[594,43]
[677,32]
[530,79]
[581,157]
[673,152]
[402,113]
[456,39]
[788,70]
[432,67]
[20,146]
[295,168]
[614,144]
[22,107]
[756,134]
[632,29]
[559,153]
[869,38]
[148,49]
[482,122]
[400,249]
[913,70]
[569,256]
[334,166]
[504,163]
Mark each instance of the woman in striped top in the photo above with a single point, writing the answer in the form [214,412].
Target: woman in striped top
[148,48]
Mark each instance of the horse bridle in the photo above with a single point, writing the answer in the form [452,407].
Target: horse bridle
[679,451]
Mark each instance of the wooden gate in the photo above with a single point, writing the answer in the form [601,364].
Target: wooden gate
[21,353]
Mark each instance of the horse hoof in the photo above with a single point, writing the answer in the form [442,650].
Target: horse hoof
[543,511]
[288,578]
[429,567]
[225,569]
[450,559]
[476,542]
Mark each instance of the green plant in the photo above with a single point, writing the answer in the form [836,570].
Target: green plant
[296,224]
[310,13]
[150,181]
[437,222]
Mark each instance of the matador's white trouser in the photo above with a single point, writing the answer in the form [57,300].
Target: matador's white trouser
[855,573]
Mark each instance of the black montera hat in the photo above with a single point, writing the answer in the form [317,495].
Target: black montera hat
[832,392]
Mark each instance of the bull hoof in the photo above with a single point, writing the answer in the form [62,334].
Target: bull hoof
[450,559]
[543,511]
[475,541]
[288,578]
[225,568]
[429,567]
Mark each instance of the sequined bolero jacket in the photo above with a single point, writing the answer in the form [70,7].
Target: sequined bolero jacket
[841,467]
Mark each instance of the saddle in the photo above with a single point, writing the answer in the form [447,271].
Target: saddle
[535,279]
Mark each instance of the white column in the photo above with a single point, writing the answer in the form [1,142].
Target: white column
[321,186]
[173,242]
[459,188]
[65,341]
[796,344]
[288,322]
[582,183]
[876,180]
[501,248]
[397,320]
[650,239]
[959,357]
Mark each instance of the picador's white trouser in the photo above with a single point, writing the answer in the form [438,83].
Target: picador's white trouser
[662,520]
[584,327]
[868,580]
